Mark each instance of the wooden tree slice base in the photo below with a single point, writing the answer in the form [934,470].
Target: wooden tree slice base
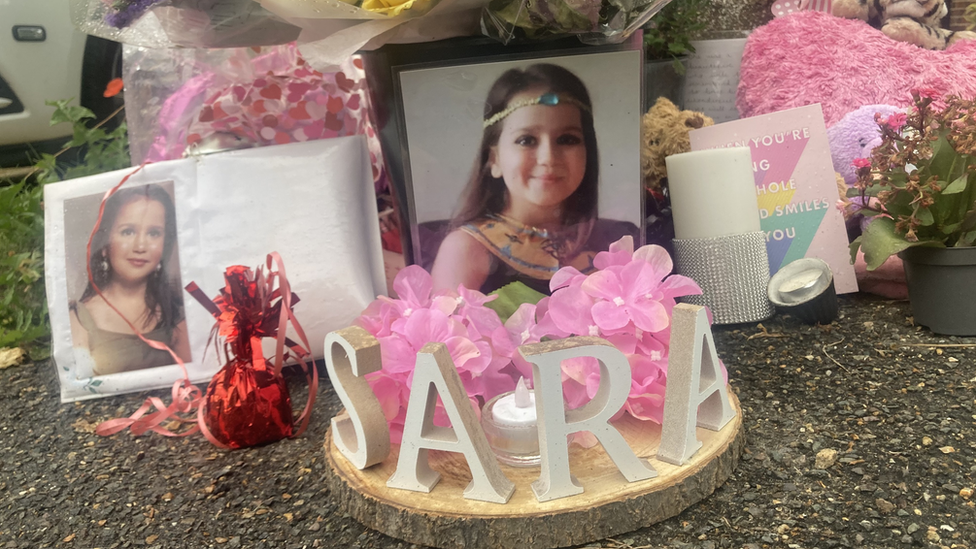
[608,506]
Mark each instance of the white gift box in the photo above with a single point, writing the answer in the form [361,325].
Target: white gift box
[312,202]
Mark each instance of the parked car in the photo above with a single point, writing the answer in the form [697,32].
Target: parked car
[43,58]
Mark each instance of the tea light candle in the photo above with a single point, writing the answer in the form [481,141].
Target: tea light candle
[510,425]
[515,409]
[805,289]
[800,286]
[713,193]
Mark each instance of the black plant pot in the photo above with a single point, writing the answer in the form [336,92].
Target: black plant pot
[942,288]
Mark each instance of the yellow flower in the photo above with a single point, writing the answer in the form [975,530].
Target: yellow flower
[394,7]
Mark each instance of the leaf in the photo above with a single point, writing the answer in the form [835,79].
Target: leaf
[943,157]
[679,67]
[879,242]
[949,229]
[510,297]
[966,239]
[66,113]
[924,217]
[957,186]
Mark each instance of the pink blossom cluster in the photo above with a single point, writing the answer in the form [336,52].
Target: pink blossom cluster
[460,320]
[628,301]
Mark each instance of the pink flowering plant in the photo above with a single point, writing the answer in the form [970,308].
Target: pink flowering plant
[919,185]
[627,300]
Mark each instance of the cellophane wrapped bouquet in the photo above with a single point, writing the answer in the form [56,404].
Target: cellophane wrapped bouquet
[594,21]
[628,301]
[182,23]
[332,30]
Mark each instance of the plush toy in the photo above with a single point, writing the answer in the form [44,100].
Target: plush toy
[855,136]
[664,131]
[812,57]
[912,21]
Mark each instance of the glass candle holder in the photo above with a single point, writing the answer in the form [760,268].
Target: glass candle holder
[514,444]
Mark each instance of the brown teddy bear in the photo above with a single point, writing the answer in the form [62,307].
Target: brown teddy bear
[664,131]
[912,21]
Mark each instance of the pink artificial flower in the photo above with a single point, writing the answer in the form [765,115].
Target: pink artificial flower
[863,162]
[581,380]
[567,276]
[570,311]
[545,325]
[929,93]
[413,285]
[627,297]
[621,253]
[471,307]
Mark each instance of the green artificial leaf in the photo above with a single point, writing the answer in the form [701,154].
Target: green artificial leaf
[957,186]
[510,297]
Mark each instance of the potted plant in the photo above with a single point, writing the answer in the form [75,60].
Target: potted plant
[667,42]
[920,188]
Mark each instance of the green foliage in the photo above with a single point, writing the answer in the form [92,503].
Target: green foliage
[668,35]
[23,307]
[23,304]
[103,151]
[510,297]
[920,183]
[970,17]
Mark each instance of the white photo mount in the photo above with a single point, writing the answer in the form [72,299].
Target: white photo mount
[312,202]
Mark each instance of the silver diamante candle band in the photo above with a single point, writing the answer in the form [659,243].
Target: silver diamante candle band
[733,272]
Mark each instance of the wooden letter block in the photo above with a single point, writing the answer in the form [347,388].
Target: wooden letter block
[556,423]
[696,393]
[435,374]
[363,436]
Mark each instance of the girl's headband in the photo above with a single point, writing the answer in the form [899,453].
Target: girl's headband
[549,99]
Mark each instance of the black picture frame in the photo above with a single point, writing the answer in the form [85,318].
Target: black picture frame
[386,67]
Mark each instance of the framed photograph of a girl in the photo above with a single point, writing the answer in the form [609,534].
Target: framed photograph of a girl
[134,262]
[519,168]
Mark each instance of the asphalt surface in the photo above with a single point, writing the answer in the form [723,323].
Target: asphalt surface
[859,434]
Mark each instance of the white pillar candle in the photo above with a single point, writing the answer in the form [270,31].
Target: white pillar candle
[713,193]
